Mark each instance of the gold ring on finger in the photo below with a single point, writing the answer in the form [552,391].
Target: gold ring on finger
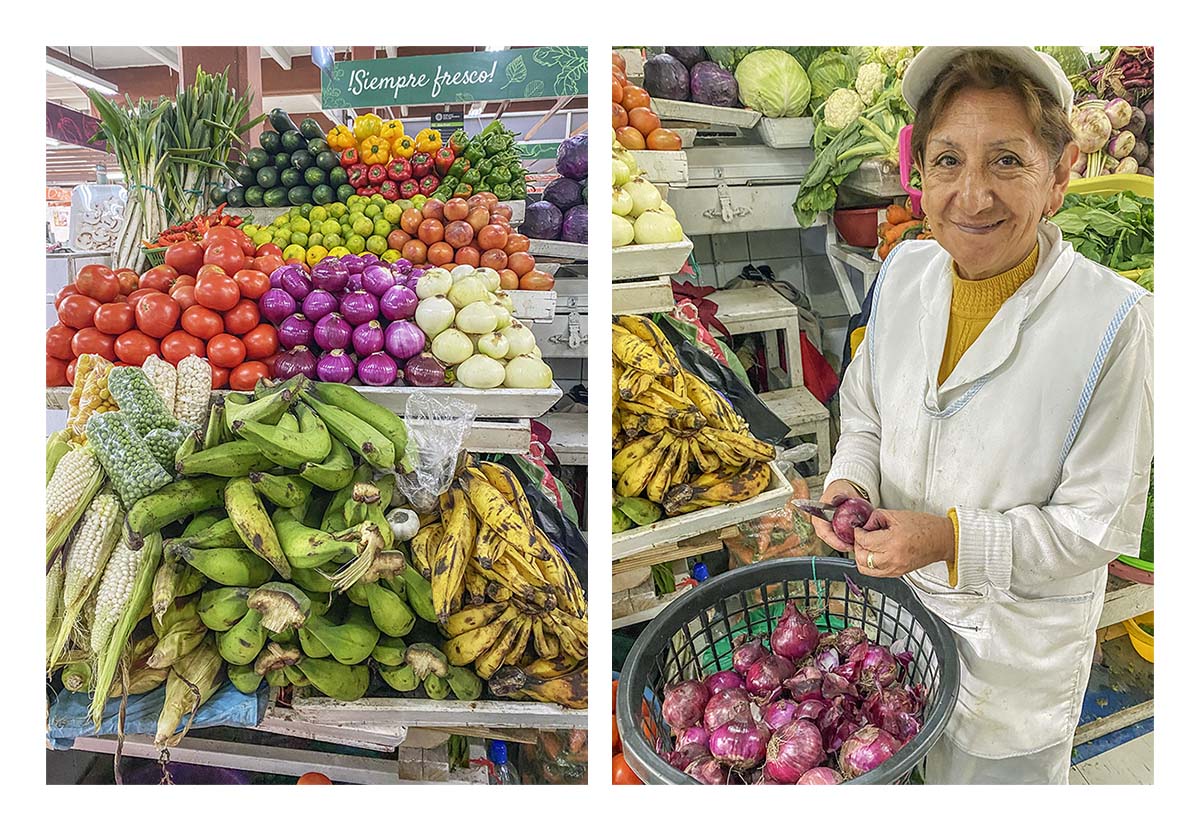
[871,561]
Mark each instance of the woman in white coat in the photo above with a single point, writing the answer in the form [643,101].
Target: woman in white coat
[999,413]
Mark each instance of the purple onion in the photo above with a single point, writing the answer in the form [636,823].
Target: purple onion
[276,304]
[402,267]
[377,279]
[726,706]
[275,278]
[359,307]
[726,679]
[683,705]
[353,282]
[708,771]
[296,330]
[811,709]
[868,748]
[332,332]
[318,304]
[884,708]
[297,361]
[826,660]
[696,734]
[398,303]
[424,370]
[778,713]
[820,776]
[367,338]
[803,689]
[368,258]
[683,756]
[335,367]
[747,654]
[795,749]
[741,745]
[353,263]
[768,674]
[295,282]
[877,665]
[847,639]
[404,339]
[833,685]
[377,370]
[330,275]
[796,636]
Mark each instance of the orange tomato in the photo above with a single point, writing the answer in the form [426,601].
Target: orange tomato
[410,221]
[94,342]
[178,345]
[644,119]
[494,258]
[414,251]
[662,139]
[516,243]
[537,281]
[226,351]
[619,75]
[492,236]
[77,311]
[218,292]
[313,778]
[458,233]
[98,282]
[160,278]
[246,375]
[261,342]
[133,347]
[631,138]
[503,211]
[58,342]
[479,217]
[618,61]
[456,209]
[430,231]
[56,372]
[622,774]
[114,318]
[620,117]
[634,96]
[618,89]
[156,314]
[509,279]
[252,283]
[467,255]
[201,322]
[521,263]
[440,253]
[434,209]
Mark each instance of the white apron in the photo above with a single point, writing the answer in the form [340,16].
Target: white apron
[1041,439]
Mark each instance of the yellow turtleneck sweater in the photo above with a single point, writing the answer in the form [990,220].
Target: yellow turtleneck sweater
[973,303]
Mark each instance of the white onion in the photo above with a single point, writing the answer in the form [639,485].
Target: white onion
[480,372]
[434,315]
[622,231]
[461,271]
[476,318]
[520,339]
[620,173]
[494,345]
[667,209]
[656,227]
[645,196]
[528,373]
[504,298]
[622,202]
[536,351]
[433,282]
[503,316]
[466,291]
[452,347]
[490,278]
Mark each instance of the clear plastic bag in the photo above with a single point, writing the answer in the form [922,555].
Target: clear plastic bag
[96,215]
[785,532]
[437,431]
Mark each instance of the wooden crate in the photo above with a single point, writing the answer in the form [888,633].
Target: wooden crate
[633,262]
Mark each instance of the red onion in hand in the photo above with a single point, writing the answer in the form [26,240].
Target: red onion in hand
[768,674]
[741,745]
[683,705]
[820,776]
[796,636]
[746,654]
[868,748]
[727,706]
[794,749]
[848,515]
[726,679]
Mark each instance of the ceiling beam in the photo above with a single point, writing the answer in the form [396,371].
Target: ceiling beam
[162,56]
[279,56]
[559,103]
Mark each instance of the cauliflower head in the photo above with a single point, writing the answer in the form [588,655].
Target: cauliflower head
[841,109]
[891,55]
[870,81]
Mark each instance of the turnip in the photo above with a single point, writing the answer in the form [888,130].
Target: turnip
[851,514]
[1121,145]
[1127,165]
[1091,128]
[1119,112]
[1141,151]
[1137,123]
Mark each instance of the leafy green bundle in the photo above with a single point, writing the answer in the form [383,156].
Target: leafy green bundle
[1116,230]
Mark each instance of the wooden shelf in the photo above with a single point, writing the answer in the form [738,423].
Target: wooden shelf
[641,297]
[568,436]
[762,309]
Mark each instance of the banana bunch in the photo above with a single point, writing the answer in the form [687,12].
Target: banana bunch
[558,680]
[497,635]
[676,441]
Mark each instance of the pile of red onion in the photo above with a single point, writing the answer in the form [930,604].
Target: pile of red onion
[350,321]
[805,709]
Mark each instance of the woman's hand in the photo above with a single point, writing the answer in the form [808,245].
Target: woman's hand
[893,543]
[839,491]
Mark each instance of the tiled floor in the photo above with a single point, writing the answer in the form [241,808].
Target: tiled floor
[1131,763]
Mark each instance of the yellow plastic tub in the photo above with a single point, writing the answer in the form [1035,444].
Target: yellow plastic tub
[1142,640]
[1136,183]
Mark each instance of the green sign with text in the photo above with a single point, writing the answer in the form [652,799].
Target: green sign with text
[545,72]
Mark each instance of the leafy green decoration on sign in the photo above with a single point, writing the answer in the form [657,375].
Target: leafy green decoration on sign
[560,56]
[569,76]
[515,72]
[534,88]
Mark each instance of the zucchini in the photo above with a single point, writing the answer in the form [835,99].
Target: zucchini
[310,129]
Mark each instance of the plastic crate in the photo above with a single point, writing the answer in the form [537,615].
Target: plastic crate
[694,637]
[155,256]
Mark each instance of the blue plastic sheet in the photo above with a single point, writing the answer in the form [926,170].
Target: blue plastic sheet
[228,708]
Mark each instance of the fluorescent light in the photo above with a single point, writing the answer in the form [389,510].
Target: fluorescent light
[476,109]
[79,76]
[495,49]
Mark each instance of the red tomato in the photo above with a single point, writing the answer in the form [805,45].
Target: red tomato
[440,253]
[467,255]
[159,278]
[58,342]
[492,236]
[241,318]
[185,257]
[133,347]
[218,292]
[71,370]
[201,322]
[616,737]
[178,345]
[516,243]
[269,361]
[56,372]
[622,774]
[185,296]
[209,269]
[494,258]
[222,232]
[227,254]
[247,245]
[430,230]
[261,342]
[220,376]
[521,263]
[128,279]
[114,318]
[537,281]
[98,282]
[246,375]
[77,311]
[226,351]
[156,315]
[133,298]
[92,341]
[267,263]
[269,248]
[313,778]
[184,280]
[63,293]
[252,283]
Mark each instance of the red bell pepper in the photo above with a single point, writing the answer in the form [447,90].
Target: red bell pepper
[369,191]
[399,169]
[376,174]
[442,160]
[358,175]
[349,157]
[409,188]
[429,184]
[389,190]
[422,165]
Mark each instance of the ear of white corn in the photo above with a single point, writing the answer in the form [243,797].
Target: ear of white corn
[54,586]
[87,556]
[76,479]
[192,390]
[58,445]
[163,378]
[116,587]
[199,670]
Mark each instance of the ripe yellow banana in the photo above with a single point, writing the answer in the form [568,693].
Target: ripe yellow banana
[422,546]
[633,384]
[746,484]
[645,329]
[634,353]
[515,630]
[661,480]
[449,562]
[637,476]
[464,648]
[472,617]
[633,451]
[495,512]
[505,481]
[747,445]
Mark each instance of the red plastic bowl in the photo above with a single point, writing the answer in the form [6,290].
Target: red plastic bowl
[858,226]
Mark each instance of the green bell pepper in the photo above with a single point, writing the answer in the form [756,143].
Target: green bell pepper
[498,144]
[463,191]
[460,166]
[451,182]
[503,192]
[472,177]
[475,152]
[498,175]
[443,193]
[485,167]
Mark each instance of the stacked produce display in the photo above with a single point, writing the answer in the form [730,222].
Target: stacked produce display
[640,216]
[637,126]
[266,540]
[678,445]
[768,80]
[561,213]
[1113,117]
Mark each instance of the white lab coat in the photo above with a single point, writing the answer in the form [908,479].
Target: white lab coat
[1041,439]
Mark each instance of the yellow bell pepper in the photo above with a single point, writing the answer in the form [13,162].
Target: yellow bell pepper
[404,147]
[374,150]
[340,138]
[429,141]
[391,130]
[367,125]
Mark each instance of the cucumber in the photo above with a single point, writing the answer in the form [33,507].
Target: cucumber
[289,177]
[275,198]
[236,197]
[292,141]
[269,141]
[314,176]
[302,160]
[267,177]
[254,196]
[281,121]
[300,195]
[317,146]
[310,129]
[244,174]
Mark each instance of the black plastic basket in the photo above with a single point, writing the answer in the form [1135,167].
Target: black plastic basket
[694,636]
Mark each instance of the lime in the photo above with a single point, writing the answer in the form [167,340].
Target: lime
[379,199]
[332,240]
[356,244]
[315,255]
[372,210]
[294,211]
[377,244]
[319,214]
[298,238]
[339,251]
[419,201]
[280,221]
[249,229]
[303,226]
[404,205]
[355,215]
[331,226]
[352,201]
[382,227]
[364,227]
[262,238]
[391,212]
[294,252]
[315,239]
[336,209]
[282,240]
[390,256]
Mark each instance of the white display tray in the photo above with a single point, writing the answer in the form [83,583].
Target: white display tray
[420,712]
[786,133]
[632,262]
[667,167]
[694,113]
